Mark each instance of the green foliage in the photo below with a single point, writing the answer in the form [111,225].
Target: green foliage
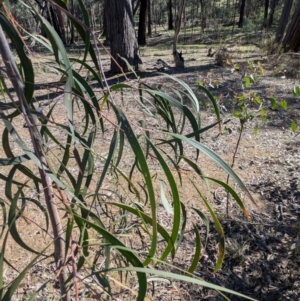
[250,105]
[137,161]
[248,25]
[296,91]
[294,126]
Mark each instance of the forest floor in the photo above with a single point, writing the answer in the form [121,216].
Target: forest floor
[262,257]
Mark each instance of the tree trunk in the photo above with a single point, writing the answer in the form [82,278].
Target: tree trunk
[284,18]
[266,13]
[242,10]
[178,59]
[123,42]
[170,16]
[142,23]
[203,14]
[149,21]
[58,23]
[105,26]
[70,24]
[272,10]
[291,40]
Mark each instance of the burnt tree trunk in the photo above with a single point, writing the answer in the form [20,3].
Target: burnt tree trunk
[143,23]
[291,41]
[170,15]
[122,38]
[284,18]
[272,10]
[242,11]
[105,26]
[149,19]
[267,2]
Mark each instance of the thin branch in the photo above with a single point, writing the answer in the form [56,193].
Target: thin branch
[32,122]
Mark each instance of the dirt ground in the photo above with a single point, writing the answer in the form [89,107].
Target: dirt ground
[263,253]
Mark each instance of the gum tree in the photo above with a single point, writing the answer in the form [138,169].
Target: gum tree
[123,42]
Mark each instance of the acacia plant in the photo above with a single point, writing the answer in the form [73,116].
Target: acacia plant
[93,171]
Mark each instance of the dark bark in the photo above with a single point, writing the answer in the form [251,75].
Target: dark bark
[70,24]
[149,19]
[57,23]
[284,18]
[178,58]
[142,23]
[242,11]
[203,14]
[267,2]
[123,42]
[105,25]
[272,10]
[170,15]
[291,41]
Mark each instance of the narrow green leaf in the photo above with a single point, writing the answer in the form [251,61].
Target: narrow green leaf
[41,207]
[161,230]
[220,231]
[83,163]
[25,62]
[206,223]
[234,195]
[120,148]
[16,282]
[197,254]
[12,218]
[4,244]
[214,103]
[69,229]
[176,166]
[124,251]
[61,58]
[197,169]
[110,155]
[187,112]
[191,94]
[19,140]
[176,201]
[95,74]
[184,279]
[3,208]
[13,160]
[200,131]
[217,160]
[136,148]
